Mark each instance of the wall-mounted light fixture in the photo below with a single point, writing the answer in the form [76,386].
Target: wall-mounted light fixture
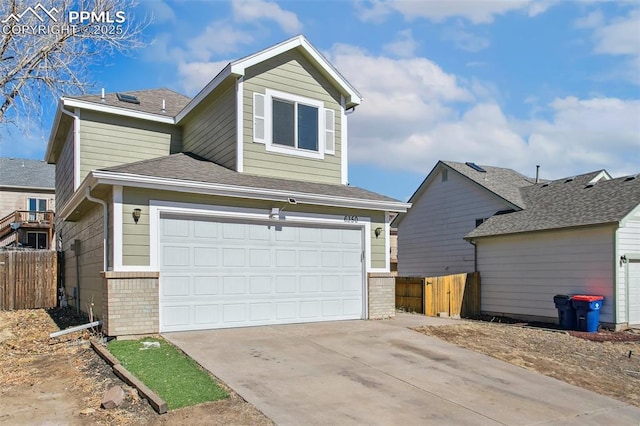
[275,213]
[136,215]
[377,231]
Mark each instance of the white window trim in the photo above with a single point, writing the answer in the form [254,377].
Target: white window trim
[268,127]
[257,116]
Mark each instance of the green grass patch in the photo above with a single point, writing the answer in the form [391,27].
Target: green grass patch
[175,377]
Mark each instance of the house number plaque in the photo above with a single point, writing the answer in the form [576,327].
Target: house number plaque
[351,219]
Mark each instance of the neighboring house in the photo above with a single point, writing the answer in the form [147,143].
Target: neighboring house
[27,203]
[452,200]
[229,209]
[578,235]
[529,241]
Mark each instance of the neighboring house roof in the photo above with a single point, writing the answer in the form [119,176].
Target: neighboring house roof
[150,101]
[190,167]
[24,173]
[569,202]
[505,183]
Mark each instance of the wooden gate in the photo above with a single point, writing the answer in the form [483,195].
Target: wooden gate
[27,279]
[452,295]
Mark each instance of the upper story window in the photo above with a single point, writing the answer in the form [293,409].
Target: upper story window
[291,124]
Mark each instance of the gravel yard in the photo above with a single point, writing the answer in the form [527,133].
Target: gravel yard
[605,362]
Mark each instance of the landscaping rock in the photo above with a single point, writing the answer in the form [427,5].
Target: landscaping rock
[87,411]
[113,398]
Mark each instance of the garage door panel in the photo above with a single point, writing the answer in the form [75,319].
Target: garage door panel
[205,256]
[233,285]
[309,284]
[219,274]
[176,256]
[205,285]
[206,315]
[175,285]
[286,310]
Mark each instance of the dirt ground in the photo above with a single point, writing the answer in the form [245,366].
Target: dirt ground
[607,363]
[62,381]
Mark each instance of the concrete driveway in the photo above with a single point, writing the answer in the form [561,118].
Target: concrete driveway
[372,372]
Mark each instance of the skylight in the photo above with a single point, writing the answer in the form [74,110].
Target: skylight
[475,167]
[123,97]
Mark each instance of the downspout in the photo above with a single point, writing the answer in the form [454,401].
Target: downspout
[475,255]
[105,216]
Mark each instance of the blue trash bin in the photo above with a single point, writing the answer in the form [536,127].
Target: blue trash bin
[587,311]
[566,313]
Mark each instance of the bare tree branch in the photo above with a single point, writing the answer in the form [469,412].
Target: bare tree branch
[46,51]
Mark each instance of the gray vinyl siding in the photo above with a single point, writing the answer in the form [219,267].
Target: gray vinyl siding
[64,172]
[89,263]
[135,238]
[430,236]
[628,239]
[210,131]
[290,73]
[521,273]
[108,140]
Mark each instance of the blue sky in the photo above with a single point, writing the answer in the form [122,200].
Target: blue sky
[504,82]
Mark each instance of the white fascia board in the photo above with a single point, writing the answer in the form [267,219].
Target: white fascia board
[52,135]
[176,185]
[77,197]
[91,106]
[222,75]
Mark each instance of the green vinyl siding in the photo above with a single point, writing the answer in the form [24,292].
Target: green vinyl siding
[135,238]
[210,130]
[292,73]
[108,140]
[64,172]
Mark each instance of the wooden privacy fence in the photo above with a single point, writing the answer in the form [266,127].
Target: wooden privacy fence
[27,279]
[454,295]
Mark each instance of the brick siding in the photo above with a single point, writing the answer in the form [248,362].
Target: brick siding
[382,295]
[130,303]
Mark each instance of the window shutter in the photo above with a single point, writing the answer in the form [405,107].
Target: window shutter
[329,131]
[258,117]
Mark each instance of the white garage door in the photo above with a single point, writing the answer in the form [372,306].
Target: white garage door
[216,274]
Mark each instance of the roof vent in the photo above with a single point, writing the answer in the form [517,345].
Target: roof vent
[475,167]
[544,185]
[569,179]
[122,97]
[632,177]
[591,185]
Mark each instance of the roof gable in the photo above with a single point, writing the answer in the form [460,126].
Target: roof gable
[238,68]
[588,199]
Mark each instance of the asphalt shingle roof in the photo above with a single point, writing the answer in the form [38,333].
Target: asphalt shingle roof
[150,101]
[505,183]
[567,202]
[27,173]
[190,167]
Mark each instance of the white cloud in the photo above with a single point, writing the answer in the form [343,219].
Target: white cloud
[592,20]
[464,40]
[475,11]
[415,113]
[194,76]
[160,11]
[253,10]
[619,37]
[404,46]
[219,37]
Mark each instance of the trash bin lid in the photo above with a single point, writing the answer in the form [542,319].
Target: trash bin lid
[587,298]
